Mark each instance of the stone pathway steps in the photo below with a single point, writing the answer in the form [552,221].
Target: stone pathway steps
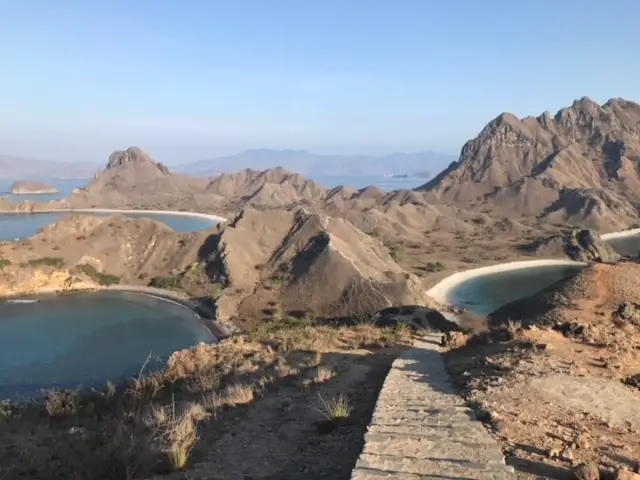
[421,429]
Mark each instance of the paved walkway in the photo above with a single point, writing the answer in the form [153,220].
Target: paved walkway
[421,429]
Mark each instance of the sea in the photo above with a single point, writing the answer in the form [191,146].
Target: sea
[69,341]
[387,184]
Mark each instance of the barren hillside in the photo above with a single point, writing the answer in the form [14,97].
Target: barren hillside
[580,165]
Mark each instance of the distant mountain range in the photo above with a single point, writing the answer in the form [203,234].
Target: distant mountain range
[30,168]
[308,163]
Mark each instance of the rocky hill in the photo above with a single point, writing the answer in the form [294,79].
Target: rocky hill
[133,178]
[297,261]
[134,249]
[580,165]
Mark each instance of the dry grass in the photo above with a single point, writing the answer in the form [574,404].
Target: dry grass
[323,374]
[150,425]
[336,408]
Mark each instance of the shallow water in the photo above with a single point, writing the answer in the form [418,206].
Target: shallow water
[485,294]
[628,246]
[89,338]
[14,226]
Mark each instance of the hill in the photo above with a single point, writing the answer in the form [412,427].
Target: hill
[581,165]
[310,163]
[297,261]
[132,178]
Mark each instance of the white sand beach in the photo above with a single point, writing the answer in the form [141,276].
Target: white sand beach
[208,216]
[441,292]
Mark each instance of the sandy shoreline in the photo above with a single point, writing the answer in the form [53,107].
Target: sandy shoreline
[441,292]
[208,216]
[621,234]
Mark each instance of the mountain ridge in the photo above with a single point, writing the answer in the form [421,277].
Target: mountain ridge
[580,165]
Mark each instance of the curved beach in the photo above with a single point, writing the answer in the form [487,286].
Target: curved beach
[208,216]
[441,292]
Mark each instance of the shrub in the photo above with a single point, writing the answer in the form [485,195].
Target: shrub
[173,282]
[4,263]
[396,253]
[102,278]
[48,261]
[434,267]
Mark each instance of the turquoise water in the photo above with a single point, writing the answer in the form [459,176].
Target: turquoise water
[485,294]
[89,338]
[14,226]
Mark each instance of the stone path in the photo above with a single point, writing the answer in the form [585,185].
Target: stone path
[421,429]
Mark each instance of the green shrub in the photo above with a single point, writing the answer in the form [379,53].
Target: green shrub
[4,263]
[396,253]
[102,278]
[434,267]
[166,282]
[48,261]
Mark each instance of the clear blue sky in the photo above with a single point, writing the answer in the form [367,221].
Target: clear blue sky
[190,79]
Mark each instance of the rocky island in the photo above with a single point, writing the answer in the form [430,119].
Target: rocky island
[26,187]
[324,294]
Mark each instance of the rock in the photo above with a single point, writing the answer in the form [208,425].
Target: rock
[629,312]
[626,475]
[585,471]
[581,245]
[31,188]
[581,441]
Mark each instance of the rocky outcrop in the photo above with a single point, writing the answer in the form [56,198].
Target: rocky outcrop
[530,166]
[306,262]
[16,280]
[134,156]
[31,188]
[132,179]
[579,245]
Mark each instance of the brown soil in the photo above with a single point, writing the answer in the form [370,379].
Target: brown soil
[556,383]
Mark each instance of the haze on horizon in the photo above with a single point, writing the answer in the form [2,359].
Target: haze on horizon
[196,79]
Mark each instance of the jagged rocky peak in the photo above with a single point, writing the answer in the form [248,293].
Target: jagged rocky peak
[133,156]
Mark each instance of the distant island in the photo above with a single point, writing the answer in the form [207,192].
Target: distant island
[410,175]
[31,188]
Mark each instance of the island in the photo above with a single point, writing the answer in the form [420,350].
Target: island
[31,188]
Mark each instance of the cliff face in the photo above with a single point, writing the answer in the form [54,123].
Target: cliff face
[580,165]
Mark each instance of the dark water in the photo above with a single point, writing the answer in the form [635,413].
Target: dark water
[485,294]
[89,338]
[13,226]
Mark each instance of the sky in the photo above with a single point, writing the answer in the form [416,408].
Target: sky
[191,79]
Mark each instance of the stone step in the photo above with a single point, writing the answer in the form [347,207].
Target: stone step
[429,448]
[369,474]
[396,416]
[465,436]
[431,468]
[438,430]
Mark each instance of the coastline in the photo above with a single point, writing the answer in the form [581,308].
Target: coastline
[621,234]
[441,291]
[206,316]
[208,216]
